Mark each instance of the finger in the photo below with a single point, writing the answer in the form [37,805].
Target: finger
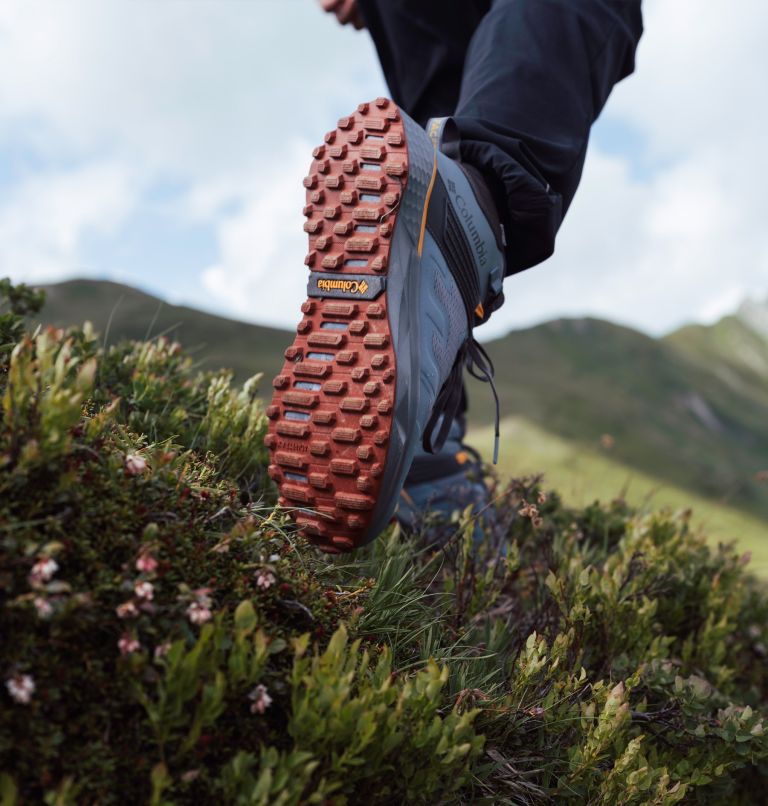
[329,5]
[346,10]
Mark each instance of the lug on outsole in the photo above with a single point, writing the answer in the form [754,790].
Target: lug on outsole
[331,412]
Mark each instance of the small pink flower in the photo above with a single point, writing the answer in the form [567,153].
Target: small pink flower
[43,606]
[265,579]
[126,610]
[528,510]
[202,597]
[144,590]
[261,699]
[198,613]
[42,571]
[134,464]
[146,564]
[128,644]
[21,687]
[161,650]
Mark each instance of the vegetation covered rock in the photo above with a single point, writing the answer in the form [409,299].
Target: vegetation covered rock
[168,638]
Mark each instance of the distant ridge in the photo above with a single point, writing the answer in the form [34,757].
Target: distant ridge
[754,314]
[121,312]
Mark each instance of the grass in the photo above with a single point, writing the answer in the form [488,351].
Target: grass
[582,476]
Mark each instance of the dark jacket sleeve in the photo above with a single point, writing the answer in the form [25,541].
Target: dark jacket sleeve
[536,77]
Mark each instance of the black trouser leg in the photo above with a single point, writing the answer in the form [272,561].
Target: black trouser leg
[422,45]
[535,76]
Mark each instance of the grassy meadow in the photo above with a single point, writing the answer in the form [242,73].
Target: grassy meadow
[582,476]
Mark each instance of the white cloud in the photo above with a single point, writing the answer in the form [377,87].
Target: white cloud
[223,101]
[261,274]
[701,74]
[45,218]
[684,245]
[654,252]
[190,89]
[200,97]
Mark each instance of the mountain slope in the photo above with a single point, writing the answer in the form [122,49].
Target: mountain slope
[120,312]
[667,415]
[735,348]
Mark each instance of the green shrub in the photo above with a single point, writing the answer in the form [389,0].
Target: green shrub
[167,638]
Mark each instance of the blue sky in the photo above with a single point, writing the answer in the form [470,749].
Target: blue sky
[163,144]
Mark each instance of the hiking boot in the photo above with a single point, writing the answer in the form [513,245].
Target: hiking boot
[405,258]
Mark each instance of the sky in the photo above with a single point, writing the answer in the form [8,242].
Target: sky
[162,143]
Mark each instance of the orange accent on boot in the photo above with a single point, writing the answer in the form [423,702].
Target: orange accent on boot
[420,248]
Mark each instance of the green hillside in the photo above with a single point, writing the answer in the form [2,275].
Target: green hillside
[584,475]
[690,411]
[735,348]
[666,413]
[120,312]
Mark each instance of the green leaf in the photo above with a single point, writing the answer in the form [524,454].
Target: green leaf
[8,790]
[161,780]
[245,618]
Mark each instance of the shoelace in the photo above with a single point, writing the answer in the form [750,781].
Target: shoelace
[479,365]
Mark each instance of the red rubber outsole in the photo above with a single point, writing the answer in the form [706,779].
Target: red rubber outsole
[330,418]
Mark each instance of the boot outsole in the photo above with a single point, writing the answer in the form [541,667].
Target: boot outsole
[331,414]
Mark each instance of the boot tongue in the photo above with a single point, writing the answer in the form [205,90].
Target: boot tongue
[444,134]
